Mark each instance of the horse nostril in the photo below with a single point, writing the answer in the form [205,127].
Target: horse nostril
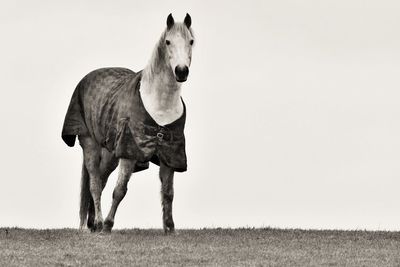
[181,72]
[186,70]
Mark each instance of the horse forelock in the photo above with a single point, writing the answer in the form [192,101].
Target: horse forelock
[182,29]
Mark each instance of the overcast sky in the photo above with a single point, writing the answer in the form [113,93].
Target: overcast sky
[293,115]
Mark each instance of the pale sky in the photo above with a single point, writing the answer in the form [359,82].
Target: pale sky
[293,115]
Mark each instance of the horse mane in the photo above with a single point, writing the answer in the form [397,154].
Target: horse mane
[158,55]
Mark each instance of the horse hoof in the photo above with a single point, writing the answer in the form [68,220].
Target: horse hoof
[97,227]
[91,226]
[169,230]
[108,225]
[169,226]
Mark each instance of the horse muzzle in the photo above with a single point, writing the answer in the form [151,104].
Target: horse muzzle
[181,73]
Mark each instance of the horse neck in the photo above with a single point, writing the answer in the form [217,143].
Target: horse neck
[160,88]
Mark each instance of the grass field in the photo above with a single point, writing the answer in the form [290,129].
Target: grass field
[215,247]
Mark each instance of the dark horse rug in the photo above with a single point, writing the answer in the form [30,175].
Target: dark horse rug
[107,106]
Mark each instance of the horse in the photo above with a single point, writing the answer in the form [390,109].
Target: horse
[128,118]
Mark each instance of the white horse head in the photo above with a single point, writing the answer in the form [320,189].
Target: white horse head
[173,52]
[178,43]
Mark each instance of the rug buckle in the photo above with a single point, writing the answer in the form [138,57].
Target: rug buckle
[160,136]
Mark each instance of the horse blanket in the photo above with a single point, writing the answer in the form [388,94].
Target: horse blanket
[107,106]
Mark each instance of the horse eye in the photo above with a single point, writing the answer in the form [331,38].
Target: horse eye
[191,42]
[167,42]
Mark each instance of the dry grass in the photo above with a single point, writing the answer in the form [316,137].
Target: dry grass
[215,247]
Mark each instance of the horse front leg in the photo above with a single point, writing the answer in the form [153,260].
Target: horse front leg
[167,196]
[126,168]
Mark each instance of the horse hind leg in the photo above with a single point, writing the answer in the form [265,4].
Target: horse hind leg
[91,158]
[85,200]
[86,211]
[91,215]
[108,163]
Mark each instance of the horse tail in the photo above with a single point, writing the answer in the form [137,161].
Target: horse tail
[85,197]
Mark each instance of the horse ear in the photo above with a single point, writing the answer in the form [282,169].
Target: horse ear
[188,20]
[170,21]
